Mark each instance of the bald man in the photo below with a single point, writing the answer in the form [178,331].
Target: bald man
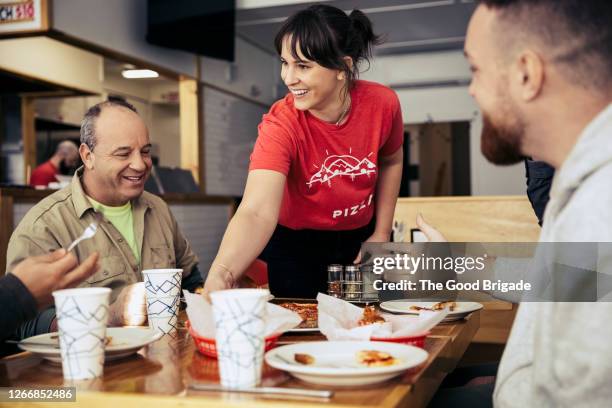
[66,153]
[138,232]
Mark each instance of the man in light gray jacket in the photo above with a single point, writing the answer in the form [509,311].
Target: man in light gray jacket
[542,76]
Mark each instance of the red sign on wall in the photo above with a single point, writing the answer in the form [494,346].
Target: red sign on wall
[17,12]
[23,16]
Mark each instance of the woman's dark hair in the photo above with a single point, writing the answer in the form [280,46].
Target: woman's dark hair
[325,35]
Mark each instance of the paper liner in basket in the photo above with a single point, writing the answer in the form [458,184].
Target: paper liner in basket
[199,311]
[338,320]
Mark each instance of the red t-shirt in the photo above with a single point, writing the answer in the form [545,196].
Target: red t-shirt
[331,170]
[43,174]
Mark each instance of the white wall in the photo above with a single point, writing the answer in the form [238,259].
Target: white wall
[252,67]
[418,68]
[445,103]
[164,92]
[119,25]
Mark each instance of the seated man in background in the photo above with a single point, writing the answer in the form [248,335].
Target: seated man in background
[28,287]
[66,154]
[138,231]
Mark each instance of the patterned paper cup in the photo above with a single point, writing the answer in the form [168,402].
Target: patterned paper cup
[163,282]
[82,315]
[162,291]
[240,324]
[162,313]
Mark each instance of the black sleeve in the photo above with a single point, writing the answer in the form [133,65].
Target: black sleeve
[193,280]
[17,305]
[40,324]
[539,180]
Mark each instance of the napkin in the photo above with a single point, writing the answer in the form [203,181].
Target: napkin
[199,311]
[338,320]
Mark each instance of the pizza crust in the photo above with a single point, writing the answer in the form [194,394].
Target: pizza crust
[307,311]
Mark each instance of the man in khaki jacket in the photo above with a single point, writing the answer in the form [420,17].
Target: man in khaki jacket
[138,230]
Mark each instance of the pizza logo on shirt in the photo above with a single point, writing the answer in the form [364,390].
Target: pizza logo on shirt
[342,165]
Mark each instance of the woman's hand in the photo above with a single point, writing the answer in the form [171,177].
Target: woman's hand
[216,282]
[249,230]
[375,237]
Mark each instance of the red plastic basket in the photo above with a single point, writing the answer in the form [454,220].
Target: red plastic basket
[417,341]
[208,346]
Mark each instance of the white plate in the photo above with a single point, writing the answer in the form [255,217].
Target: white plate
[342,353]
[125,342]
[462,309]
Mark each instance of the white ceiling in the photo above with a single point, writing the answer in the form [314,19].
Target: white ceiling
[408,25]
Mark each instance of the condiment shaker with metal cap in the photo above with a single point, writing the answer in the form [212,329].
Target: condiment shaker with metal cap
[334,280]
[353,284]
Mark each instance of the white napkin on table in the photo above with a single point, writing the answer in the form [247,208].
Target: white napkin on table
[338,320]
[200,313]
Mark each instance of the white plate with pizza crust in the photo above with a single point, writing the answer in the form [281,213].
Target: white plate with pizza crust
[461,310]
[336,362]
[124,341]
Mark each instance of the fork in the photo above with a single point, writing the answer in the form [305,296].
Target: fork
[89,232]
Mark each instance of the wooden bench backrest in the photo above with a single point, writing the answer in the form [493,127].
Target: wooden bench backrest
[472,219]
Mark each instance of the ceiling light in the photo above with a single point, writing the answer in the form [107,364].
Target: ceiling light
[139,73]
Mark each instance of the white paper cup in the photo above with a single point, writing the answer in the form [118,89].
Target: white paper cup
[162,292]
[163,282]
[162,313]
[240,324]
[82,315]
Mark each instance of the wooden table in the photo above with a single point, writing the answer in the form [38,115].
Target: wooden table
[159,375]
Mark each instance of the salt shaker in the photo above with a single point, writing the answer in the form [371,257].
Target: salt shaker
[352,283]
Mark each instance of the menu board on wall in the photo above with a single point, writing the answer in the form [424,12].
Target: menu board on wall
[23,16]
[230,131]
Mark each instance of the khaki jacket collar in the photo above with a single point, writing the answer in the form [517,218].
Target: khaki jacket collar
[82,204]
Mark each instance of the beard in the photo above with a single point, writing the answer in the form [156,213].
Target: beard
[67,169]
[501,144]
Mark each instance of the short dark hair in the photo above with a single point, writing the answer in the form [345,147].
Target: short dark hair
[326,34]
[88,124]
[578,34]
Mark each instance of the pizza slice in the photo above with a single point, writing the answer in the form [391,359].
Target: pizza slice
[370,316]
[374,358]
[307,311]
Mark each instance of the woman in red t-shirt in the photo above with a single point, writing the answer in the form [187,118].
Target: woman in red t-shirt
[326,168]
